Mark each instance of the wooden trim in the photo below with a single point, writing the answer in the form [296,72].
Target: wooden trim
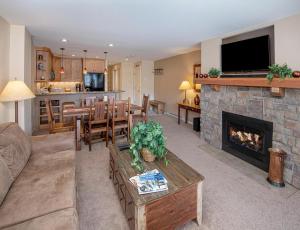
[292,83]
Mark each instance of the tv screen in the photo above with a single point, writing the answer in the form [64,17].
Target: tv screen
[247,55]
[94,81]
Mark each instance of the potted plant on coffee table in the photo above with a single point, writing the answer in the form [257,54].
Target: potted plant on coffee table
[147,142]
[214,72]
[281,71]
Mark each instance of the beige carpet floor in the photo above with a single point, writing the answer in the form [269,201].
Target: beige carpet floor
[236,194]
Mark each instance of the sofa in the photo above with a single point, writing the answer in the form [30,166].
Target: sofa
[37,180]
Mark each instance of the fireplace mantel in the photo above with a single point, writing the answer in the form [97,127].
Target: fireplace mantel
[292,83]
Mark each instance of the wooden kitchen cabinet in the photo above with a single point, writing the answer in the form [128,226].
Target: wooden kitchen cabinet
[73,69]
[77,69]
[56,68]
[67,76]
[95,65]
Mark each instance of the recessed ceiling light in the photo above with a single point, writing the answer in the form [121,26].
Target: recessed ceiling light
[97,56]
[73,55]
[111,45]
[64,40]
[126,59]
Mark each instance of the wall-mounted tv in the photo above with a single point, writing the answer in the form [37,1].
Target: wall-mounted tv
[94,81]
[246,55]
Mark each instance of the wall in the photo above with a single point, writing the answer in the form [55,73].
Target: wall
[287,41]
[287,45]
[147,80]
[15,63]
[175,70]
[4,64]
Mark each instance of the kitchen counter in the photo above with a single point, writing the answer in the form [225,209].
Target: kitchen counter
[81,93]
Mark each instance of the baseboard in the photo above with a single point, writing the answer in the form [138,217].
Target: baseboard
[174,115]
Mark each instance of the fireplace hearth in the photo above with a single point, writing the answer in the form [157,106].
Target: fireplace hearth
[247,138]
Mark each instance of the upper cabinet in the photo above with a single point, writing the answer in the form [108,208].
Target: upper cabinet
[94,65]
[72,67]
[77,69]
[43,63]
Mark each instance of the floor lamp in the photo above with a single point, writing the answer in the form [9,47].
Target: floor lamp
[16,91]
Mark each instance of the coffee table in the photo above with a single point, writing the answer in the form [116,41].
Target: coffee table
[162,210]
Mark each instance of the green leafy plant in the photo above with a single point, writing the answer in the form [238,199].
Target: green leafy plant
[281,71]
[147,135]
[214,72]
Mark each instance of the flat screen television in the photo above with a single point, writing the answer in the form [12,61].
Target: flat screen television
[247,55]
[93,81]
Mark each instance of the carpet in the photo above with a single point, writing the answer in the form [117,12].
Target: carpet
[236,195]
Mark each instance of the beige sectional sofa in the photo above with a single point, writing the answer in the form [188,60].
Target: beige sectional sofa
[37,181]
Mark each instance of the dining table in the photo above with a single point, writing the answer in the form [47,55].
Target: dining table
[78,112]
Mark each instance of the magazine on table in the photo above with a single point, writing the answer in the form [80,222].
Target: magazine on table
[151,181]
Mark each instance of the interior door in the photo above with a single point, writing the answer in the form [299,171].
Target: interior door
[137,72]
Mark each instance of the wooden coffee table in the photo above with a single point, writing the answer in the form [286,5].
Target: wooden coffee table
[162,210]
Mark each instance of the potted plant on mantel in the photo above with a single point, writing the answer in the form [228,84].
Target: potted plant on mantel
[279,71]
[147,139]
[214,72]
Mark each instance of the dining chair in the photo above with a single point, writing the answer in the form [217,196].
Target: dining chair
[97,124]
[88,101]
[55,127]
[143,115]
[120,119]
[68,105]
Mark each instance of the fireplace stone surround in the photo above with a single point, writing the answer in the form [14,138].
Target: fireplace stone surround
[257,103]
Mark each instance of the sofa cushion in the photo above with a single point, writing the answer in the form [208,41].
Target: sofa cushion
[66,219]
[6,179]
[53,143]
[15,147]
[46,185]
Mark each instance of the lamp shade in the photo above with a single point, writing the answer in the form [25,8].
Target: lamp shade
[16,91]
[185,85]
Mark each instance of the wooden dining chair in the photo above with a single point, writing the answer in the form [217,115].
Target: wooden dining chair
[120,119]
[68,105]
[55,127]
[143,115]
[97,125]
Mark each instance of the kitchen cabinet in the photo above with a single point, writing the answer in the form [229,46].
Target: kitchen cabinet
[56,68]
[77,69]
[72,67]
[95,65]
[67,76]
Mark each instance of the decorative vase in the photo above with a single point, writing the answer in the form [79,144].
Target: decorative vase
[205,75]
[197,99]
[296,74]
[147,155]
[200,75]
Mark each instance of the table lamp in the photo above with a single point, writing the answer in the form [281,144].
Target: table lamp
[185,85]
[16,91]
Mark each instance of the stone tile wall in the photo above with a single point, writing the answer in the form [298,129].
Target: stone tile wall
[258,103]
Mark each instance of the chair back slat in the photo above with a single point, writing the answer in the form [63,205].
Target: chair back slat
[99,113]
[50,114]
[145,103]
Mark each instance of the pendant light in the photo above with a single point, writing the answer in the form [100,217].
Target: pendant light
[62,70]
[105,62]
[84,68]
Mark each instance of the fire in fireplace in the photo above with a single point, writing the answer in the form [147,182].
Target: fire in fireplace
[247,138]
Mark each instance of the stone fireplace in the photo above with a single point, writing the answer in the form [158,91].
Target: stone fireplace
[279,116]
[247,138]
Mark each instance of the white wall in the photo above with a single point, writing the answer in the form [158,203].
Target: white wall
[15,63]
[4,65]
[147,87]
[287,41]
[210,54]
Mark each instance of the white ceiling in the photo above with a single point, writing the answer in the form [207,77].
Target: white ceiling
[140,29]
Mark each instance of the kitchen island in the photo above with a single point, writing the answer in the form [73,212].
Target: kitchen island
[39,115]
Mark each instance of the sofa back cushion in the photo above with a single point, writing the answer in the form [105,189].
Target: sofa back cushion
[6,179]
[15,147]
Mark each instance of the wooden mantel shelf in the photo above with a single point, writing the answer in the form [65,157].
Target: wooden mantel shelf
[292,83]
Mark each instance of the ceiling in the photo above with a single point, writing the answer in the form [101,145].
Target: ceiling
[139,29]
